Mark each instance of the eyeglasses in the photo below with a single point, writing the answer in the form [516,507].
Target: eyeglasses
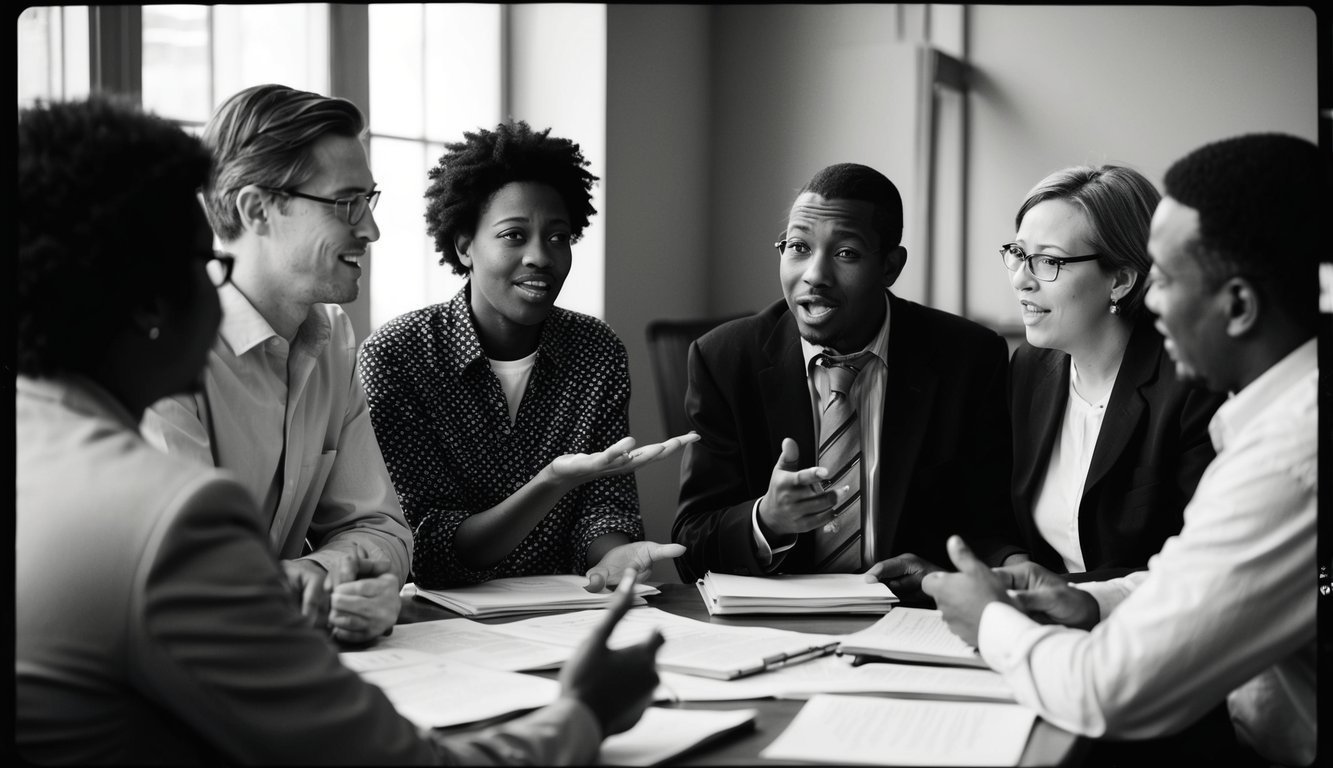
[350,209]
[1041,266]
[219,266]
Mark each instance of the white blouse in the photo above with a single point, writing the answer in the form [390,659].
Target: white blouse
[1056,508]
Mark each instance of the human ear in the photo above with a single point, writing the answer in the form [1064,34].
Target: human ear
[1125,280]
[252,205]
[894,261]
[1244,304]
[463,247]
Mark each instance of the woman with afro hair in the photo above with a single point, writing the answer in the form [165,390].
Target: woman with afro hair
[504,419]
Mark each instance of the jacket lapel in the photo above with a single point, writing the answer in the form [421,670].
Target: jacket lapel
[908,399]
[1138,369]
[1049,396]
[783,389]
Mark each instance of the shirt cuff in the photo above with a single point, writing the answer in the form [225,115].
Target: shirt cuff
[998,633]
[1112,592]
[763,552]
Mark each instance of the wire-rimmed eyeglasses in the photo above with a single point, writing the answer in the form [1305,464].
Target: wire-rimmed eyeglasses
[1041,266]
[350,209]
[219,266]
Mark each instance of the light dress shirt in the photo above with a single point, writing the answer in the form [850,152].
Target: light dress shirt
[1226,609]
[868,392]
[154,626]
[1056,508]
[290,421]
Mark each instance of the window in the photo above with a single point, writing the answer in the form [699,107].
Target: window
[429,71]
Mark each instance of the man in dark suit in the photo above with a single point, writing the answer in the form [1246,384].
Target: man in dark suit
[925,406]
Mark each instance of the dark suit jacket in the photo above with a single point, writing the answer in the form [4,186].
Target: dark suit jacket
[1151,450]
[946,439]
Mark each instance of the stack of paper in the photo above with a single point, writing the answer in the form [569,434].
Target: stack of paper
[523,594]
[792,593]
[912,634]
[691,647]
[850,730]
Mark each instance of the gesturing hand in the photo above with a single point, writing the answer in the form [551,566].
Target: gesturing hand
[574,469]
[311,585]
[1048,598]
[794,502]
[903,575]
[616,685]
[963,595]
[634,557]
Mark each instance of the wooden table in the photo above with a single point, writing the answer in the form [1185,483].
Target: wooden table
[1047,745]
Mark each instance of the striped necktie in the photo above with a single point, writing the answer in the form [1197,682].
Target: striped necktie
[837,544]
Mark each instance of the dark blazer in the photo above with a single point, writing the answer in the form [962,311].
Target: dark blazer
[1151,450]
[946,439]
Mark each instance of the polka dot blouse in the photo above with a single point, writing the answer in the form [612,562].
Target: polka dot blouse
[442,422]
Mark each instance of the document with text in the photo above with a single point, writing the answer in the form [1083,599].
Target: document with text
[691,647]
[518,595]
[435,693]
[865,730]
[912,634]
[471,642]
[662,734]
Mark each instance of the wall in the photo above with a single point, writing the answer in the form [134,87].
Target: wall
[796,88]
[657,209]
[1058,86]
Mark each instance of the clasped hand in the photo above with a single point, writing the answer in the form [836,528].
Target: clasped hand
[357,599]
[573,469]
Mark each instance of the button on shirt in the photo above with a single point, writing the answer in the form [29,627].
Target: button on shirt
[868,393]
[1226,609]
[291,422]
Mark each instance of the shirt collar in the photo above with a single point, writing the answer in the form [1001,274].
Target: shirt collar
[878,345]
[77,393]
[459,327]
[243,328]
[1249,403]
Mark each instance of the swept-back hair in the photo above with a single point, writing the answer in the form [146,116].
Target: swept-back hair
[264,135]
[1118,203]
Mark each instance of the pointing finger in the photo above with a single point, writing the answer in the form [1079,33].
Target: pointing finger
[962,556]
[790,457]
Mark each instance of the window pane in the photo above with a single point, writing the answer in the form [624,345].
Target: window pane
[254,44]
[176,66]
[397,83]
[52,53]
[463,77]
[404,273]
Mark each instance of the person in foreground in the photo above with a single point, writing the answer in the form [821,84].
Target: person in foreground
[1226,611]
[154,624]
[907,403]
[503,418]
[290,197]
[1108,442]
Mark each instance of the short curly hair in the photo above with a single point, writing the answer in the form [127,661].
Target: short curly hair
[852,181]
[471,171]
[1263,210]
[265,135]
[104,198]
[1118,202]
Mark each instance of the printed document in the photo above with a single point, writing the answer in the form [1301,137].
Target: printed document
[868,730]
[912,634]
[661,734]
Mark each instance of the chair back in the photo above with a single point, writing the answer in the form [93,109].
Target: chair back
[669,344]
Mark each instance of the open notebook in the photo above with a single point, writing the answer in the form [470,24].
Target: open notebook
[912,634]
[725,593]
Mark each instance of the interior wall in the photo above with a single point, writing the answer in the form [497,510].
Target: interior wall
[796,88]
[1057,86]
[657,207]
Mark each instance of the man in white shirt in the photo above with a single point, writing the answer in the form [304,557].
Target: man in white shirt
[1226,611]
[281,406]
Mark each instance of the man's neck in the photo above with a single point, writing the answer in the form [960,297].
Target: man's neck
[282,314]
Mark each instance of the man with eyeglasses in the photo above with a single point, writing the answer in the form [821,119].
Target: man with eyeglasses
[1226,612]
[291,199]
[843,428]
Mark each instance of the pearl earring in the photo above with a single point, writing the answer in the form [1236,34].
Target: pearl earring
[153,333]
[1115,307]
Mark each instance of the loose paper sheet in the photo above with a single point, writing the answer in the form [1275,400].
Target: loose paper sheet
[664,733]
